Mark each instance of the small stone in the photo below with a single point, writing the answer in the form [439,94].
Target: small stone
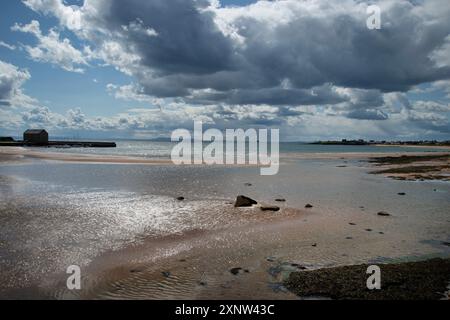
[383,214]
[381,232]
[298,266]
[203,283]
[352,223]
[308,206]
[314,244]
[401,193]
[235,271]
[243,201]
[248,184]
[166,274]
[135,270]
[348,238]
[369,230]
[270,208]
[446,244]
[180,198]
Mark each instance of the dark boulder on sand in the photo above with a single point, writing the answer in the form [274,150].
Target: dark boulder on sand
[280,200]
[180,198]
[401,193]
[243,201]
[270,208]
[308,206]
[383,214]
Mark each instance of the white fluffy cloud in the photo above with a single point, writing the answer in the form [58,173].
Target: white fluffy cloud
[51,49]
[11,80]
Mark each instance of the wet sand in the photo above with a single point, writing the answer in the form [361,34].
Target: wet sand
[23,154]
[249,254]
[18,153]
[250,261]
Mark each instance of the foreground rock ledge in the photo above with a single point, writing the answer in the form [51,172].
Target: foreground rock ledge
[424,280]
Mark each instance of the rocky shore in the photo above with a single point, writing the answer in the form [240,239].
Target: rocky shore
[423,280]
[414,167]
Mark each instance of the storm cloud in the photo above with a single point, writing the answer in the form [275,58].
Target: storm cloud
[268,63]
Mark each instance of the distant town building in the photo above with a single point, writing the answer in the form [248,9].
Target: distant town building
[35,136]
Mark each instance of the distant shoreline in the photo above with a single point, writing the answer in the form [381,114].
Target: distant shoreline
[21,154]
[413,146]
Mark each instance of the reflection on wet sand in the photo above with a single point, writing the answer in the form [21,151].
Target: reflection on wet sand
[133,238]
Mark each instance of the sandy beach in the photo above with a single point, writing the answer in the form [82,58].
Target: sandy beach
[22,154]
[203,247]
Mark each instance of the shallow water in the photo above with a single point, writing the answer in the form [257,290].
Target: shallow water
[55,214]
[162,149]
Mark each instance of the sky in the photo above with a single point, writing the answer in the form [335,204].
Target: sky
[312,68]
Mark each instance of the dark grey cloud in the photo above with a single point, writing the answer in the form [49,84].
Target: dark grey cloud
[170,37]
[275,53]
[367,114]
[190,53]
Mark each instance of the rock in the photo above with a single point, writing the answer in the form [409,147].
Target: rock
[280,200]
[348,238]
[235,271]
[314,244]
[401,193]
[424,280]
[446,244]
[243,201]
[180,198]
[381,232]
[298,266]
[166,274]
[270,208]
[309,206]
[352,223]
[369,230]
[135,270]
[203,283]
[270,259]
[383,214]
[248,184]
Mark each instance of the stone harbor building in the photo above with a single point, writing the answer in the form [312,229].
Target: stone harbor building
[35,136]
